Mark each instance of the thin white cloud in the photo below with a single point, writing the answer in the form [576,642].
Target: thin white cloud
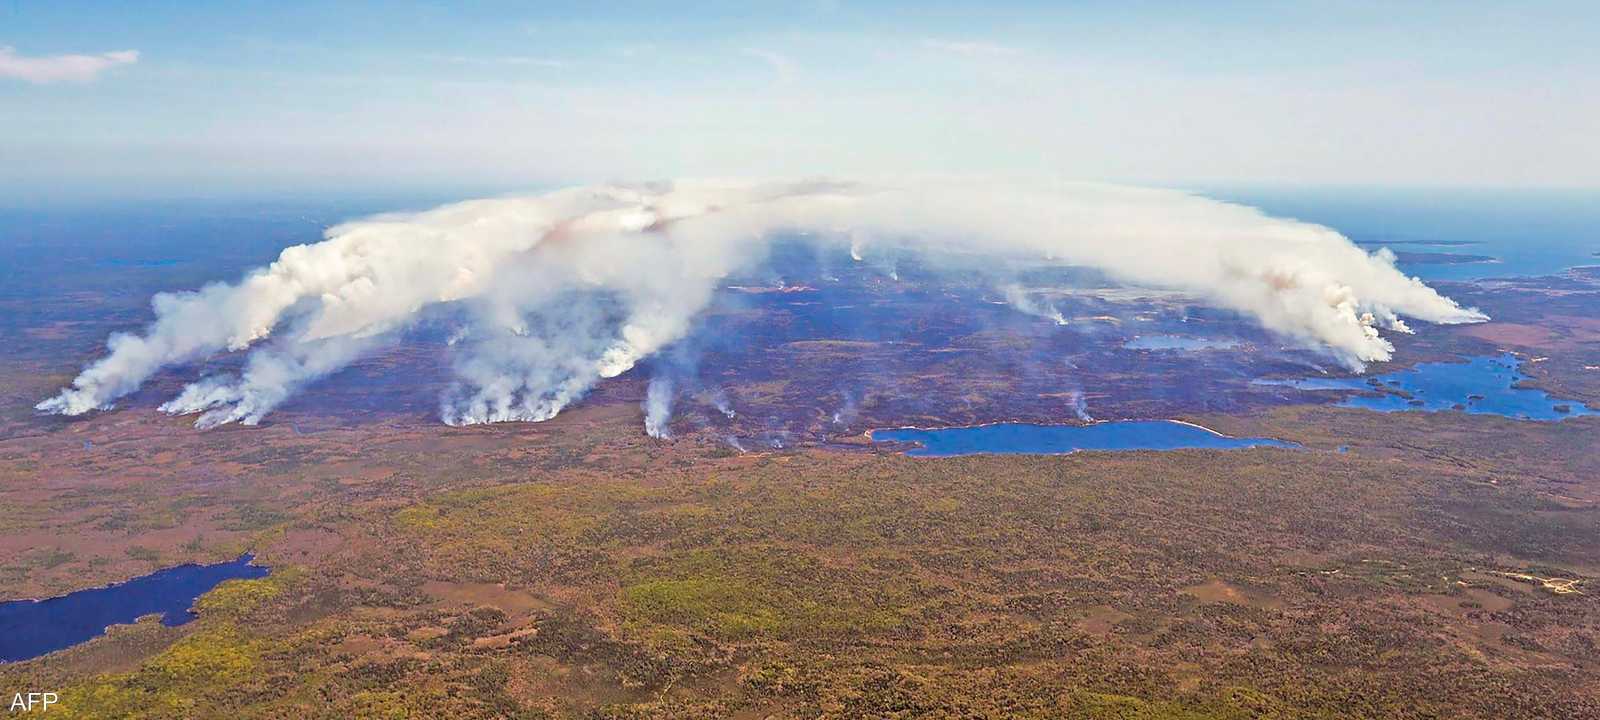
[635,50]
[781,65]
[46,69]
[514,60]
[970,48]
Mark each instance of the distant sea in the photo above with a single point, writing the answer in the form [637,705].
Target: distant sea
[1528,232]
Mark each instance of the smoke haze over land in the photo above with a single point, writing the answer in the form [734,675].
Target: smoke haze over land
[564,289]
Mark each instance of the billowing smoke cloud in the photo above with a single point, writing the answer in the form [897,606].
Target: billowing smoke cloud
[570,287]
[269,378]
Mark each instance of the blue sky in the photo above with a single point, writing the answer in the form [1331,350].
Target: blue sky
[261,97]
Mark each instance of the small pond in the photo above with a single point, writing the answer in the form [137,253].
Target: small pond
[1179,342]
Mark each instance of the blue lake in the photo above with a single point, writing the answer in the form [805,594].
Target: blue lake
[1056,439]
[1481,385]
[30,628]
[1179,342]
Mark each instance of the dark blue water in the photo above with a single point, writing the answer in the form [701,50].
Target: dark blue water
[30,628]
[1482,386]
[1056,439]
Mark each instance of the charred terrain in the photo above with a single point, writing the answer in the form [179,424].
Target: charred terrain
[767,560]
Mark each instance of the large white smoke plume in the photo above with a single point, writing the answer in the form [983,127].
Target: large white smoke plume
[577,285]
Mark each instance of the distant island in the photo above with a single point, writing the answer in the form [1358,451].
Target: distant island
[1417,241]
[1440,258]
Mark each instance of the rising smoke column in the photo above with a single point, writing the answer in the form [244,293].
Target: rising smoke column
[1018,298]
[658,407]
[571,287]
